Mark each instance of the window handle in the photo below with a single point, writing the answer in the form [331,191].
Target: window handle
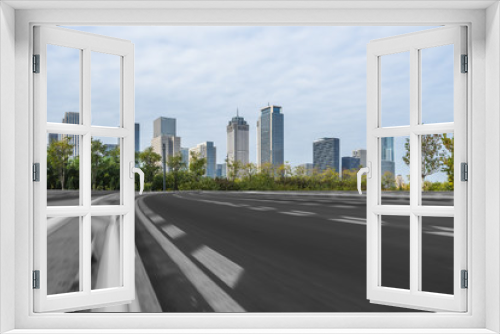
[365,170]
[133,170]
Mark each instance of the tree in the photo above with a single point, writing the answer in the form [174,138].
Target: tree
[448,158]
[431,154]
[233,168]
[97,153]
[149,163]
[197,165]
[58,154]
[250,170]
[175,166]
[388,181]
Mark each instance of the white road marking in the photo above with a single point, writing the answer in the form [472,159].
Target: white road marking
[348,221]
[173,231]
[298,213]
[223,203]
[262,208]
[445,231]
[340,206]
[225,269]
[309,204]
[217,298]
[443,234]
[157,219]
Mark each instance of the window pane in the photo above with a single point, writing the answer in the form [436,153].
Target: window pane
[437,169]
[105,90]
[395,89]
[437,254]
[395,251]
[63,84]
[437,84]
[106,252]
[63,254]
[63,169]
[395,170]
[105,171]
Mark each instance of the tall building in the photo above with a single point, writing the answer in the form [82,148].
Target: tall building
[71,117]
[137,137]
[350,163]
[164,126]
[387,156]
[172,146]
[208,151]
[270,136]
[185,155]
[53,137]
[326,154]
[221,170]
[361,155]
[238,140]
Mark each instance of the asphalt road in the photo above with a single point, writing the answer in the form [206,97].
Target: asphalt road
[277,253]
[236,252]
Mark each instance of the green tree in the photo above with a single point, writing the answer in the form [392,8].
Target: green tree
[431,154]
[97,154]
[449,158]
[150,164]
[175,166]
[58,156]
[233,168]
[197,165]
[388,181]
[250,169]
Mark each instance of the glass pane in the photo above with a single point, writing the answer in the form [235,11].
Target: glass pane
[437,169]
[105,171]
[63,84]
[437,84]
[395,170]
[395,89]
[63,169]
[395,249]
[105,91]
[63,254]
[106,252]
[437,254]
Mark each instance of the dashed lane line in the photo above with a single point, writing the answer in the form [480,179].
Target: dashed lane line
[298,213]
[173,231]
[262,208]
[225,269]
[217,298]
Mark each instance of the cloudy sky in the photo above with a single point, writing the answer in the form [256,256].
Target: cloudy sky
[201,75]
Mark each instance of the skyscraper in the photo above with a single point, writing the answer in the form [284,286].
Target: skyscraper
[185,155]
[71,117]
[387,156]
[326,154]
[53,137]
[164,126]
[172,146]
[270,136]
[361,154]
[349,163]
[238,140]
[208,151]
[137,137]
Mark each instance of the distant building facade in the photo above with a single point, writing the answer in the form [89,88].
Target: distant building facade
[387,156]
[209,151]
[326,154]
[350,163]
[270,136]
[164,126]
[238,140]
[221,170]
[172,147]
[361,155]
[185,155]
[137,133]
[71,117]
[53,137]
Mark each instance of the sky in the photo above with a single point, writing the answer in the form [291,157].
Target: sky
[200,75]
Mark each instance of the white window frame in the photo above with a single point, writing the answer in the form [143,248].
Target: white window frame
[483,21]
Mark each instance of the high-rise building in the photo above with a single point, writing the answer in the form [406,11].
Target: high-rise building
[53,137]
[137,137]
[71,117]
[221,170]
[326,154]
[238,140]
[350,163]
[387,156]
[361,154]
[172,146]
[164,126]
[208,151]
[185,155]
[270,136]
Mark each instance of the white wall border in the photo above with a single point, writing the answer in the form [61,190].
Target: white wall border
[280,322]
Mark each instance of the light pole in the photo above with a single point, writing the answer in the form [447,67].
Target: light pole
[164,168]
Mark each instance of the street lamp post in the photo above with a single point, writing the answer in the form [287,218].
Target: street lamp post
[164,169]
